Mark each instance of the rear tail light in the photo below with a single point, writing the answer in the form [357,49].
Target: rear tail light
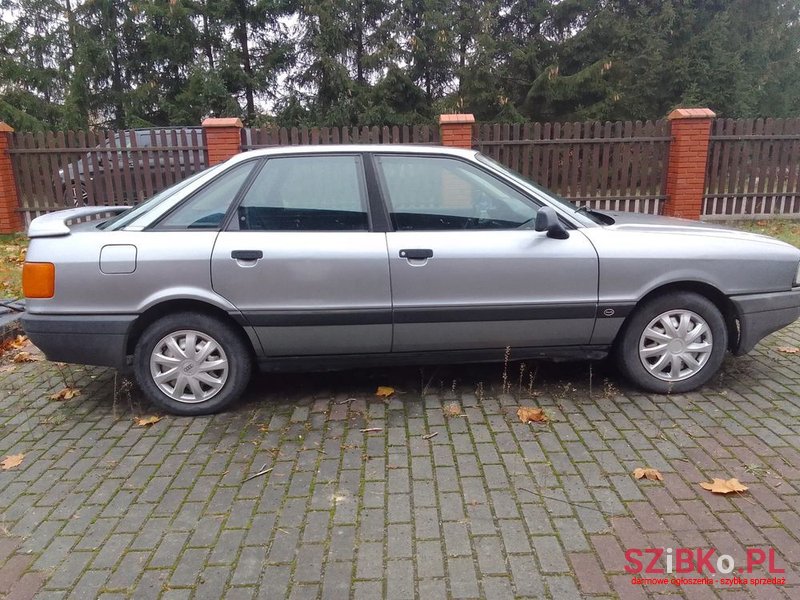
[38,279]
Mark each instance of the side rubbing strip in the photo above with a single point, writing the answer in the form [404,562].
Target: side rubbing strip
[450,314]
[311,318]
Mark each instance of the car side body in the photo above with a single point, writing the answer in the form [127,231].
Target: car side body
[388,286]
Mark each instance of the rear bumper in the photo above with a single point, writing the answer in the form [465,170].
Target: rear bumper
[762,314]
[85,339]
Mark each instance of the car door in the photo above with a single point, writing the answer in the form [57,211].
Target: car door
[468,270]
[300,262]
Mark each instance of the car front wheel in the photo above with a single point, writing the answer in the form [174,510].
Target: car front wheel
[673,343]
[192,364]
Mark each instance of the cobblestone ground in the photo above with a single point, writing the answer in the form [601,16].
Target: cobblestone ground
[487,507]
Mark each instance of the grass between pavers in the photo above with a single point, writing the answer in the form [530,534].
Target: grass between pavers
[787,231]
[12,255]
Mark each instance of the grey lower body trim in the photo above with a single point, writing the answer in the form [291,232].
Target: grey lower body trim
[349,361]
[762,314]
[82,339]
[438,314]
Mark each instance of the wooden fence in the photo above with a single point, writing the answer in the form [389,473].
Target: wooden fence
[254,138]
[610,166]
[753,169]
[753,166]
[57,170]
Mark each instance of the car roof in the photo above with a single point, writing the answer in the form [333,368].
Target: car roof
[339,148]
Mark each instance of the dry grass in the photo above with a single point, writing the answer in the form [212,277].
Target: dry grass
[12,255]
[787,231]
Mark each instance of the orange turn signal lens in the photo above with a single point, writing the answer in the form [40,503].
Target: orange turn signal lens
[38,279]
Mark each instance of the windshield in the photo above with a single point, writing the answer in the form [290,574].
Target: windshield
[123,218]
[536,189]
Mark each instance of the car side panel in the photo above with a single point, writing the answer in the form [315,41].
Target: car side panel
[312,292]
[635,262]
[492,289]
[169,265]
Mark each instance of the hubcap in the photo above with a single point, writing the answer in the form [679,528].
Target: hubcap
[189,366]
[675,345]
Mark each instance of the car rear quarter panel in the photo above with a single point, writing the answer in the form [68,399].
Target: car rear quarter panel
[169,265]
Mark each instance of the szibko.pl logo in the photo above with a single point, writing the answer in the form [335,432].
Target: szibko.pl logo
[703,563]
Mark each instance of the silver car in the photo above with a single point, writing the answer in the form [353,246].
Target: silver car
[325,257]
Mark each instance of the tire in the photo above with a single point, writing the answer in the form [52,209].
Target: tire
[664,347]
[161,350]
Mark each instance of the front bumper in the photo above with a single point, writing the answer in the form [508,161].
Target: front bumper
[83,339]
[762,314]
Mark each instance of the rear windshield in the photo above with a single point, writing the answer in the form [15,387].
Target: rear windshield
[124,218]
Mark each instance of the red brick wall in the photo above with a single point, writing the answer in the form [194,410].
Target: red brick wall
[690,129]
[223,139]
[10,216]
[456,130]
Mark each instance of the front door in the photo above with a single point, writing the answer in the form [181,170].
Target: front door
[300,262]
[468,270]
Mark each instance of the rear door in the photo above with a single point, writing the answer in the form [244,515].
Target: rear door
[468,270]
[300,260]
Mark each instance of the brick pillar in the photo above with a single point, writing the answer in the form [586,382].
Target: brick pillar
[690,129]
[223,139]
[10,216]
[456,130]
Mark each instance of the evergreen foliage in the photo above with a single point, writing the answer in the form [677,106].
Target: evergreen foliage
[114,63]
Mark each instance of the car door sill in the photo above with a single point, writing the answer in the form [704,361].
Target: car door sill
[335,362]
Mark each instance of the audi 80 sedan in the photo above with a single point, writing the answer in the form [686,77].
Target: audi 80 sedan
[327,257]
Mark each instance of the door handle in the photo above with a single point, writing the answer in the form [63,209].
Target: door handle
[416,253]
[247,254]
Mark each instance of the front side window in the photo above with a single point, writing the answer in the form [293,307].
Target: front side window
[428,193]
[206,208]
[306,193]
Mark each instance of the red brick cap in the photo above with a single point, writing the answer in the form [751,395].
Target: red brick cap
[456,119]
[691,113]
[226,122]
[5,127]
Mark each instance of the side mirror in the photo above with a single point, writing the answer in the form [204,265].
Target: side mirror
[547,220]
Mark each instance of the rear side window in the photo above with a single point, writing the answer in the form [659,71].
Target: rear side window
[206,208]
[306,193]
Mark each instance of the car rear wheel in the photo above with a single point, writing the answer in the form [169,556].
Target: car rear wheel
[192,364]
[673,343]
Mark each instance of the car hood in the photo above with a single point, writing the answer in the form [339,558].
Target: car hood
[644,223]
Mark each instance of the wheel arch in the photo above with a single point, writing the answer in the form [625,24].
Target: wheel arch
[708,291]
[167,307]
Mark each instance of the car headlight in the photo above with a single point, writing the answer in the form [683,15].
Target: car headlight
[797,276]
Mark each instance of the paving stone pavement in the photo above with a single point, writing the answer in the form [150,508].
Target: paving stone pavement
[487,507]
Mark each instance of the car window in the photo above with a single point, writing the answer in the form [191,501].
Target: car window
[428,193]
[306,193]
[206,208]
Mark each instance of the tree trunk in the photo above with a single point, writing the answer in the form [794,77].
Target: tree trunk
[241,35]
[209,48]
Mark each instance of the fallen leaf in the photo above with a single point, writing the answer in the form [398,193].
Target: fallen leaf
[647,472]
[24,357]
[11,461]
[384,391]
[18,342]
[532,415]
[145,421]
[723,486]
[788,349]
[68,393]
[452,409]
